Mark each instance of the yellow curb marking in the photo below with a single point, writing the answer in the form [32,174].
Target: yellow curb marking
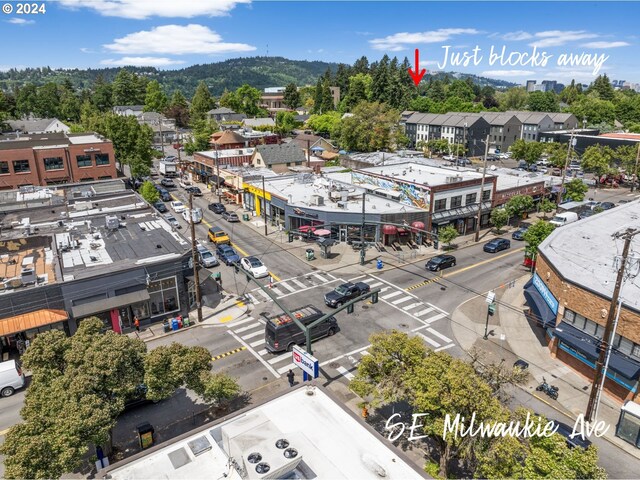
[422,284]
[226,319]
[240,304]
[240,250]
[275,277]
[226,354]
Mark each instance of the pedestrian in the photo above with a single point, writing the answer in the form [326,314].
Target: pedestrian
[136,322]
[290,377]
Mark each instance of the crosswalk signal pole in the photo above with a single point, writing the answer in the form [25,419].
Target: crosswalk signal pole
[194,256]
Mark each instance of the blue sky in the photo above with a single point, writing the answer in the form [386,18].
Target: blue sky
[178,33]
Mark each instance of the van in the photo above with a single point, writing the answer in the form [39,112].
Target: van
[281,332]
[196,215]
[218,236]
[11,378]
[564,218]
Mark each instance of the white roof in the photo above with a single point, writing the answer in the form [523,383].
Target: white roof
[82,139]
[422,174]
[584,252]
[332,443]
[231,152]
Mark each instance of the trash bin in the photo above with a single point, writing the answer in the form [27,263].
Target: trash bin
[145,435]
[166,327]
[185,322]
[174,324]
[379,265]
[217,276]
[245,217]
[310,254]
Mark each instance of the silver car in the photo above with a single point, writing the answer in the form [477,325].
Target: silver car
[207,258]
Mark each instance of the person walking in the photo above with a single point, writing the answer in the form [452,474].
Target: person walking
[290,377]
[136,322]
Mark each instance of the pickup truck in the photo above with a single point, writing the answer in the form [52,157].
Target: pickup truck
[345,292]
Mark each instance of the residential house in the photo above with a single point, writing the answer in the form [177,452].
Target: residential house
[278,157]
[124,110]
[564,121]
[37,125]
[505,129]
[313,143]
[259,122]
[272,99]
[224,115]
[164,129]
[227,140]
[532,124]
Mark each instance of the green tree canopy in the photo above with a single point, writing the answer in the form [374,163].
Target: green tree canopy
[499,218]
[155,99]
[513,99]
[373,127]
[200,136]
[575,190]
[291,96]
[447,234]
[519,204]
[546,206]
[178,109]
[201,103]
[594,109]
[328,123]
[543,102]
[536,233]
[149,192]
[286,122]
[597,159]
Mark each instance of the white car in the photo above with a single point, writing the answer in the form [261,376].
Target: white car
[177,206]
[254,266]
[172,221]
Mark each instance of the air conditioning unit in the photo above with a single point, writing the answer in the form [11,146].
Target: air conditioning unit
[112,222]
[28,276]
[342,205]
[453,179]
[316,200]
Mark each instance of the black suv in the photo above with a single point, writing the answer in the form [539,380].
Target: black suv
[217,208]
[195,191]
[440,262]
[496,245]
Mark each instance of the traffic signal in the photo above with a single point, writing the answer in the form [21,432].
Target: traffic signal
[236,268]
[374,297]
[350,308]
[248,278]
[492,308]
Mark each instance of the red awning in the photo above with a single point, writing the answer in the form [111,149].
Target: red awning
[389,229]
[306,228]
[402,231]
[418,225]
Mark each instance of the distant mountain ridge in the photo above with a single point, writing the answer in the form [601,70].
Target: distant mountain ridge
[259,72]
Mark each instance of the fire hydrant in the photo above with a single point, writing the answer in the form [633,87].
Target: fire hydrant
[365,412]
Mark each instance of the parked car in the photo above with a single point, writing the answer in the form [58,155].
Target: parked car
[160,207]
[218,236]
[217,208]
[345,292]
[230,216]
[227,254]
[449,158]
[167,182]
[196,215]
[177,206]
[586,214]
[172,221]
[11,377]
[254,266]
[193,190]
[607,205]
[207,258]
[519,234]
[184,182]
[564,218]
[164,194]
[170,158]
[567,433]
[440,262]
[496,245]
[492,158]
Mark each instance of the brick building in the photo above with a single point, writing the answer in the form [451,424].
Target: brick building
[55,158]
[570,294]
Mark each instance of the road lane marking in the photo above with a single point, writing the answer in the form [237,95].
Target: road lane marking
[263,352]
[274,276]
[435,317]
[391,295]
[263,293]
[226,354]
[248,327]
[377,284]
[279,358]
[318,277]
[252,298]
[439,335]
[357,278]
[483,262]
[424,312]
[444,348]
[248,319]
[357,350]
[226,318]
[240,250]
[343,371]
[413,305]
[279,293]
[422,284]
[258,342]
[298,283]
[401,300]
[255,354]
[428,340]
[287,286]
[252,334]
[291,366]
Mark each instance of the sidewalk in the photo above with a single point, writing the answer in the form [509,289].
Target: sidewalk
[510,331]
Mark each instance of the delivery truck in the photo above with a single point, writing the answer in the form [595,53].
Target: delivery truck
[168,169]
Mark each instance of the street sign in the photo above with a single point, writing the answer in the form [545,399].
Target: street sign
[491,296]
[306,362]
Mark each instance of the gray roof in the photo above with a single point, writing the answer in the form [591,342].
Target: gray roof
[498,118]
[278,154]
[259,122]
[220,111]
[31,125]
[233,117]
[150,116]
[122,108]
[560,117]
[584,252]
[529,117]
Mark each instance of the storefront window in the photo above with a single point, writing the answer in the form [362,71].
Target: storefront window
[140,310]
[164,296]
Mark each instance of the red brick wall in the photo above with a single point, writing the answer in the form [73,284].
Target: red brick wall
[533,189]
[94,171]
[13,179]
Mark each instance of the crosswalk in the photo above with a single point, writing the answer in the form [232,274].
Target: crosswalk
[290,286]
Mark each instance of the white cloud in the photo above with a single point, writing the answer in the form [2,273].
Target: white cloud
[401,41]
[87,50]
[176,40]
[20,21]
[140,9]
[507,73]
[517,36]
[557,38]
[605,44]
[141,61]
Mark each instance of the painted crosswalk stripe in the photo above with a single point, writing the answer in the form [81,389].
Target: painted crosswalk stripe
[428,340]
[439,335]
[298,283]
[263,352]
[413,305]
[279,358]
[319,278]
[258,342]
[357,278]
[264,294]
[436,317]
[286,368]
[241,322]
[401,300]
[252,299]
[249,327]
[286,285]
[345,372]
[278,293]
[377,284]
[391,295]
[252,334]
[424,312]
[444,348]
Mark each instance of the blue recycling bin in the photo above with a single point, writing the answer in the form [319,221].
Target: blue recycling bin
[174,324]
[379,265]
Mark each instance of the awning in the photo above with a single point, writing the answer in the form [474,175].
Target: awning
[389,229]
[79,311]
[458,212]
[539,308]
[27,321]
[418,225]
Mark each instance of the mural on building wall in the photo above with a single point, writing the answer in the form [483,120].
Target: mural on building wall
[413,195]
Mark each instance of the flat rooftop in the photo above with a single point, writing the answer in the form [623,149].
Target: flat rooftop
[584,252]
[511,178]
[422,174]
[330,444]
[227,153]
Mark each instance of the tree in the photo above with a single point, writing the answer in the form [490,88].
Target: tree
[594,109]
[317,97]
[149,192]
[327,97]
[372,127]
[518,205]
[461,90]
[125,89]
[381,78]
[343,73]
[200,136]
[570,93]
[286,122]
[513,99]
[556,153]
[70,108]
[248,99]
[155,99]
[178,109]
[27,100]
[536,233]
[499,218]
[131,141]
[602,87]
[543,102]
[102,94]
[291,96]
[518,149]
[438,146]
[201,103]
[359,90]
[597,159]
[546,206]
[447,234]
[327,123]
[575,190]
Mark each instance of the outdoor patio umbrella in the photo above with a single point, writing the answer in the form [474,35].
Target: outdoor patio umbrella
[322,232]
[306,228]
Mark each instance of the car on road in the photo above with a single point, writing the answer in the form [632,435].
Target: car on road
[207,258]
[230,216]
[227,254]
[193,190]
[519,234]
[160,207]
[254,266]
[492,158]
[282,334]
[11,377]
[172,221]
[196,215]
[345,292]
[496,245]
[577,440]
[217,208]
[184,182]
[177,206]
[607,205]
[218,236]
[440,262]
[170,158]
[167,182]
[586,214]
[164,194]
[623,201]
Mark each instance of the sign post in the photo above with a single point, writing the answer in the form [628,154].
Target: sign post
[306,362]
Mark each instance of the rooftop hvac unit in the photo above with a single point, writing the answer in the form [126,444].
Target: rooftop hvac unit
[342,205]
[28,275]
[316,200]
[453,179]
[112,222]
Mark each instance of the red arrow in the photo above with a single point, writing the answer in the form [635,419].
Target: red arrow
[418,74]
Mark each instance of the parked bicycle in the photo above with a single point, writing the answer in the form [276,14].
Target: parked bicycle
[550,390]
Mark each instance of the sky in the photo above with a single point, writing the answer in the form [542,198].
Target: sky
[529,40]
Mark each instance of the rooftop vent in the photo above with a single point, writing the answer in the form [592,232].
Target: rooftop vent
[112,222]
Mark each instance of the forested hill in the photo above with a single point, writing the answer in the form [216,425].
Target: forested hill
[259,72]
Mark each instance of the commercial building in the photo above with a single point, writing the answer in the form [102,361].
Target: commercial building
[55,158]
[570,294]
[585,138]
[303,434]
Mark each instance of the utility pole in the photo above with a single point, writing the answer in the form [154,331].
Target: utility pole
[362,247]
[635,169]
[564,171]
[484,174]
[178,143]
[161,136]
[604,344]
[264,206]
[194,258]
[218,175]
